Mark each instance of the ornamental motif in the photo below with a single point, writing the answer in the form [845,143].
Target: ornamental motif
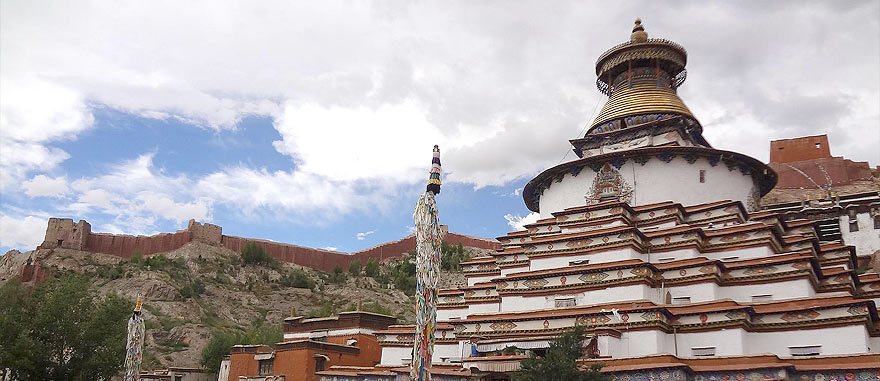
[760,270]
[624,317]
[593,277]
[477,327]
[562,280]
[735,237]
[651,315]
[469,293]
[380,337]
[593,320]
[502,326]
[562,218]
[546,324]
[608,185]
[735,315]
[402,338]
[704,318]
[858,310]
[801,265]
[535,283]
[620,273]
[841,279]
[443,334]
[579,243]
[708,269]
[682,272]
[486,266]
[800,315]
[651,214]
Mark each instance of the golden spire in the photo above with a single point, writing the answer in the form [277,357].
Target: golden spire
[638,34]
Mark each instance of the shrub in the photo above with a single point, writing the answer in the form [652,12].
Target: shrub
[254,254]
[354,268]
[298,279]
[451,256]
[337,276]
[372,268]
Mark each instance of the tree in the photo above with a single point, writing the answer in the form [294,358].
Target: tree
[252,253]
[337,276]
[64,332]
[560,361]
[354,268]
[451,256]
[260,333]
[372,268]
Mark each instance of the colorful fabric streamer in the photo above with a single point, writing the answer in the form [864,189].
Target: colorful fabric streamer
[428,239]
[134,348]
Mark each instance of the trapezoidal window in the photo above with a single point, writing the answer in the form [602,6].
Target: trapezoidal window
[805,350]
[320,362]
[703,351]
[702,176]
[266,367]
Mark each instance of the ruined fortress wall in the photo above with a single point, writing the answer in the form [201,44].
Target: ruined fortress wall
[319,259]
[126,245]
[63,232]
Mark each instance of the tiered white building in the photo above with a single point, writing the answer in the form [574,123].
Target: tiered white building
[655,242]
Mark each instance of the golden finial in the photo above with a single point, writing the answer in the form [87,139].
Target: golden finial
[638,34]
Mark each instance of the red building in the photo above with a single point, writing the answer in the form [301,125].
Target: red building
[312,345]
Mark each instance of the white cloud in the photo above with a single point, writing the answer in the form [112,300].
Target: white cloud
[518,222]
[44,186]
[363,236]
[24,233]
[137,195]
[331,248]
[361,91]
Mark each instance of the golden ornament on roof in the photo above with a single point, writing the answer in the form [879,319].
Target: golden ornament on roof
[639,34]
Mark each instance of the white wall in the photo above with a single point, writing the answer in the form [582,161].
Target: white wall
[866,240]
[727,342]
[394,355]
[851,339]
[475,308]
[612,255]
[643,343]
[655,182]
[742,253]
[514,303]
[446,314]
[448,351]
[699,292]
[799,288]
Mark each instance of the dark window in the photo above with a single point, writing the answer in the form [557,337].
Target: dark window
[266,367]
[877,222]
[818,145]
[178,378]
[320,363]
[702,175]
[853,225]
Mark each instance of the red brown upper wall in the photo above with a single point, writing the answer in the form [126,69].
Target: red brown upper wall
[64,233]
[807,163]
[799,149]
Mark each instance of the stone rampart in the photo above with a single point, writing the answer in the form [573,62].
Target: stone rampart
[64,233]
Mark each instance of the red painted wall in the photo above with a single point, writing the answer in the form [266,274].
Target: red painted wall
[799,149]
[841,171]
[125,245]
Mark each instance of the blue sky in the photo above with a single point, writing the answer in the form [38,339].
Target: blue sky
[312,123]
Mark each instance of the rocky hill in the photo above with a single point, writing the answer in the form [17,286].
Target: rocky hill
[199,288]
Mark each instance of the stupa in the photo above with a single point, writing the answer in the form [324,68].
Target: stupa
[655,242]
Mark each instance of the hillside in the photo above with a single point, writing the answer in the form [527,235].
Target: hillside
[199,288]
